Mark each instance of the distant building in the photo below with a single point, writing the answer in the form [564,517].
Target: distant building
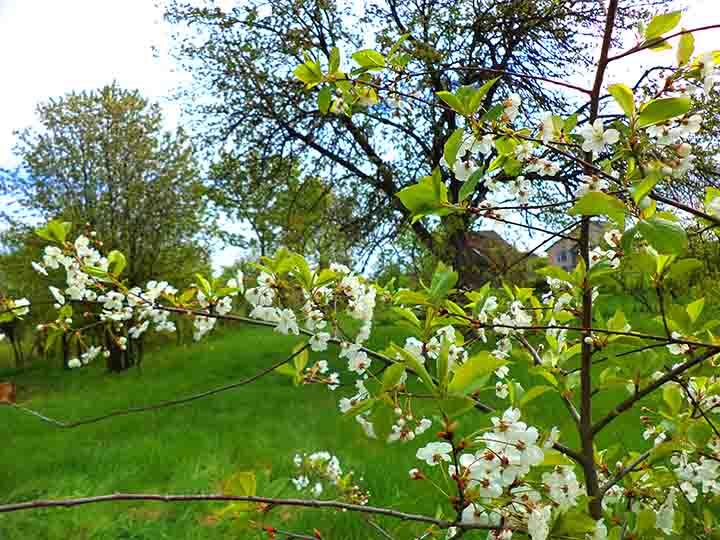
[564,252]
[492,258]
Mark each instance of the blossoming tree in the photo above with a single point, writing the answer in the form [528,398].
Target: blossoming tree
[493,475]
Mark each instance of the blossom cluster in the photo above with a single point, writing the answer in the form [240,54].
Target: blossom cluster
[321,470]
[494,479]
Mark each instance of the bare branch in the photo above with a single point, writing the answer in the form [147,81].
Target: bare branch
[669,376]
[163,404]
[627,470]
[306,503]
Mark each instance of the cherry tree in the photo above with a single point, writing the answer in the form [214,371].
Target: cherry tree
[451,393]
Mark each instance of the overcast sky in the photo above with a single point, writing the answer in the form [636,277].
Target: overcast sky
[50,47]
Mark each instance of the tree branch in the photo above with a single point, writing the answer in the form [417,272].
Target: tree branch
[306,503]
[669,376]
[163,404]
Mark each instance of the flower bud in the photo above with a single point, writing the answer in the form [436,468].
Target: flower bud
[683,150]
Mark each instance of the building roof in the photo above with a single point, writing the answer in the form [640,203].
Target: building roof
[598,226]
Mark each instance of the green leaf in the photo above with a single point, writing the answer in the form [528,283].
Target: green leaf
[323,99]
[665,236]
[453,101]
[682,270]
[415,365]
[410,298]
[570,123]
[534,392]
[659,110]
[645,521]
[661,24]
[96,272]
[309,73]
[392,376]
[443,280]
[455,405]
[243,484]
[369,59]
[624,96]
[361,407]
[686,46]
[574,523]
[302,356]
[505,145]
[695,308]
[429,196]
[57,230]
[286,369]
[117,262]
[334,61]
[475,368]
[597,203]
[553,458]
[468,187]
[673,398]
[645,186]
[452,145]
[493,113]
[699,433]
[408,316]
[657,45]
[476,100]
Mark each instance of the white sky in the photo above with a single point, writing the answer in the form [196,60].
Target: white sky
[50,47]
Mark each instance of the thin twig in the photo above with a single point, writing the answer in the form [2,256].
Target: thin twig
[163,404]
[639,394]
[658,40]
[627,470]
[306,503]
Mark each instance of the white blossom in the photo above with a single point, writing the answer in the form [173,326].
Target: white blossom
[74,363]
[287,322]
[434,453]
[511,106]
[677,348]
[539,523]
[596,137]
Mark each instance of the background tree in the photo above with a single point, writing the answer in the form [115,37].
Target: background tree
[244,61]
[103,158]
[283,207]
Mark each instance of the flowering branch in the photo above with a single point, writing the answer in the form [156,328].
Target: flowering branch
[639,394]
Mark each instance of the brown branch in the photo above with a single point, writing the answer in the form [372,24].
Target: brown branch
[502,72]
[684,207]
[586,423]
[163,404]
[307,503]
[480,209]
[669,376]
[698,406]
[627,470]
[658,40]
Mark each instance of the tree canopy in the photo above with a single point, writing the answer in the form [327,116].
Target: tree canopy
[245,96]
[103,157]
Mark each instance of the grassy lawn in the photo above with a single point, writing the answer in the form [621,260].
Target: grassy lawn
[196,447]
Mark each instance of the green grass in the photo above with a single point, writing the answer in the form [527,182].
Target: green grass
[198,446]
[189,448]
